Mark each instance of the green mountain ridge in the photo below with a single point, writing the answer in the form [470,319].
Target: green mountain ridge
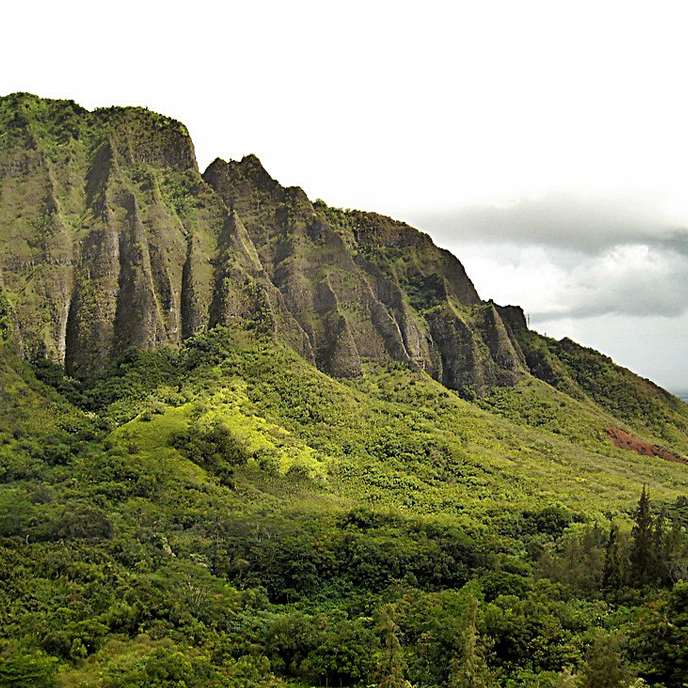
[247,439]
[113,239]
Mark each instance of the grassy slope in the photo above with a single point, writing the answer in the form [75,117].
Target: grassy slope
[392,438]
[399,438]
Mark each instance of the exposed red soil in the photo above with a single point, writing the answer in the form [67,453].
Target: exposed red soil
[625,440]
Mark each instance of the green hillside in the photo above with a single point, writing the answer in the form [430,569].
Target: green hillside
[226,512]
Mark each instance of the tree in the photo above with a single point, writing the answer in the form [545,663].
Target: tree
[604,666]
[81,520]
[468,667]
[612,576]
[567,679]
[659,638]
[391,666]
[660,547]
[676,552]
[642,546]
[27,671]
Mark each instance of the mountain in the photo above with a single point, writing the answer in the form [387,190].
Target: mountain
[250,439]
[116,240]
[113,239]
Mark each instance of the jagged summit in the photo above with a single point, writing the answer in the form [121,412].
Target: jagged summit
[113,239]
[135,248]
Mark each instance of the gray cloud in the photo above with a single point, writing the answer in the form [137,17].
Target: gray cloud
[649,283]
[586,223]
[590,255]
[676,241]
[553,283]
[608,271]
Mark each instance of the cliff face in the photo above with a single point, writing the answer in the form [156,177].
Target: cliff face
[112,239]
[362,287]
[92,246]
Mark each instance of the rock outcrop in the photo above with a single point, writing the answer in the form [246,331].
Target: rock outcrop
[113,239]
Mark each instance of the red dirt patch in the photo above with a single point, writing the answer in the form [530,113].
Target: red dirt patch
[625,440]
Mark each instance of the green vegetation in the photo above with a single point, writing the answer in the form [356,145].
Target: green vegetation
[5,320]
[225,514]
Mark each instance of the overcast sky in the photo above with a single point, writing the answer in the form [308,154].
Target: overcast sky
[544,143]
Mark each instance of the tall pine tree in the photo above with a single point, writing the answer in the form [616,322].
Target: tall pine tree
[468,667]
[660,550]
[642,555]
[612,575]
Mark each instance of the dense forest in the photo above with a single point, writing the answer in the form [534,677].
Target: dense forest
[249,440]
[223,514]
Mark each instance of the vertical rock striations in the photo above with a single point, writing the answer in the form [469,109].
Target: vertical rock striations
[113,239]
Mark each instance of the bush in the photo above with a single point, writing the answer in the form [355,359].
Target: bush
[83,521]
[163,667]
[27,671]
[75,641]
[214,448]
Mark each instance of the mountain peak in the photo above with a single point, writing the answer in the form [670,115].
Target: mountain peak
[135,250]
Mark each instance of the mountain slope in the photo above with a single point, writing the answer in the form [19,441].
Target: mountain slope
[198,499]
[113,239]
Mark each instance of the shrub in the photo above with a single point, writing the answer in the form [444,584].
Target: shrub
[214,448]
[27,671]
[83,521]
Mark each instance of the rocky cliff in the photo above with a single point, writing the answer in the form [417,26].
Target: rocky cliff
[112,238]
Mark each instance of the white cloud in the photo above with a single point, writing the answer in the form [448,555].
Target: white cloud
[587,221]
[550,283]
[632,280]
[628,301]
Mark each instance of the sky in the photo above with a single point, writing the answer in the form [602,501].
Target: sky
[544,143]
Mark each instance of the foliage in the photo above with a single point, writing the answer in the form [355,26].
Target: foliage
[604,666]
[5,318]
[214,448]
[224,514]
[468,667]
[27,671]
